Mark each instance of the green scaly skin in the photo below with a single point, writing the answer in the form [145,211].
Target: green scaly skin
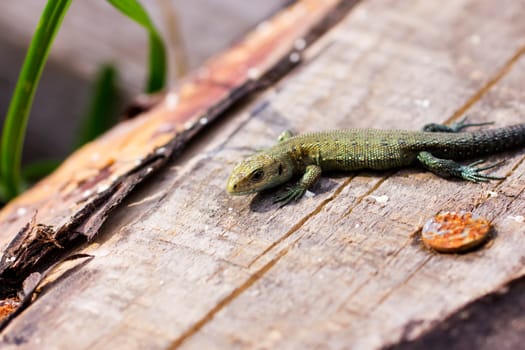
[308,155]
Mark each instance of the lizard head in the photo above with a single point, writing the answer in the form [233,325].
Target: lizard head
[259,172]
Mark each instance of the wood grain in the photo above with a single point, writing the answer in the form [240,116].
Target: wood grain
[182,264]
[70,205]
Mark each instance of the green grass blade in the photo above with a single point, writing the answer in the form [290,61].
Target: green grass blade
[157,52]
[37,170]
[101,114]
[157,64]
[3,196]
[18,112]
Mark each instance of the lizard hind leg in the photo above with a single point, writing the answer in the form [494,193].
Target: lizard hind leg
[454,127]
[447,168]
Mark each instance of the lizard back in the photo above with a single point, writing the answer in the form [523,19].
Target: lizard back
[353,149]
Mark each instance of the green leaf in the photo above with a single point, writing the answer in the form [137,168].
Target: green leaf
[37,170]
[18,113]
[157,52]
[3,197]
[101,114]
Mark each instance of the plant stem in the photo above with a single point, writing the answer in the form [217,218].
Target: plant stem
[157,52]
[18,114]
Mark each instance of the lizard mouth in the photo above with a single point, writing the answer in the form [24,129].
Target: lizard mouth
[235,191]
[233,188]
[241,193]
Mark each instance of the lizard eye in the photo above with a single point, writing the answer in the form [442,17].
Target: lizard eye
[257,175]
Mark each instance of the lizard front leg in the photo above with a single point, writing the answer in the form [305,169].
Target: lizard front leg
[447,168]
[309,178]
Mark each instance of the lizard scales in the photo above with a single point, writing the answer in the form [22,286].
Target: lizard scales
[354,149]
[436,148]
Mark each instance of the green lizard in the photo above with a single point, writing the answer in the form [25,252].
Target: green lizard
[310,154]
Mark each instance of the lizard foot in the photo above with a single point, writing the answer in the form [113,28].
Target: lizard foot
[473,173]
[291,193]
[454,127]
[462,124]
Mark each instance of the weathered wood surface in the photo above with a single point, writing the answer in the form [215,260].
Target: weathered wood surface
[182,264]
[71,204]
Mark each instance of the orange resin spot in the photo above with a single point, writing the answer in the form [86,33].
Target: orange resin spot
[452,232]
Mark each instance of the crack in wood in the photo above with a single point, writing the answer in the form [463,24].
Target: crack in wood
[225,301]
[502,72]
[93,215]
[258,274]
[366,194]
[301,222]
[408,278]
[284,244]
[267,267]
[512,171]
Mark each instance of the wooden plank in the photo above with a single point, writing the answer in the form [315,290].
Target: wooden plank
[182,264]
[70,205]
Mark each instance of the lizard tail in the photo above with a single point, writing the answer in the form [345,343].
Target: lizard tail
[478,143]
[497,140]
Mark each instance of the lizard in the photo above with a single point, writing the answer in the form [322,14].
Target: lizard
[436,147]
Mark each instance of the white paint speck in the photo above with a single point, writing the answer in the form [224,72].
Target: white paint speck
[275,335]
[188,125]
[160,150]
[102,188]
[230,209]
[294,57]
[299,44]
[356,226]
[264,28]
[149,170]
[422,103]
[21,211]
[492,194]
[380,199]
[475,39]
[253,73]
[95,157]
[87,193]
[518,218]
[161,282]
[203,121]
[309,194]
[172,100]
[138,161]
